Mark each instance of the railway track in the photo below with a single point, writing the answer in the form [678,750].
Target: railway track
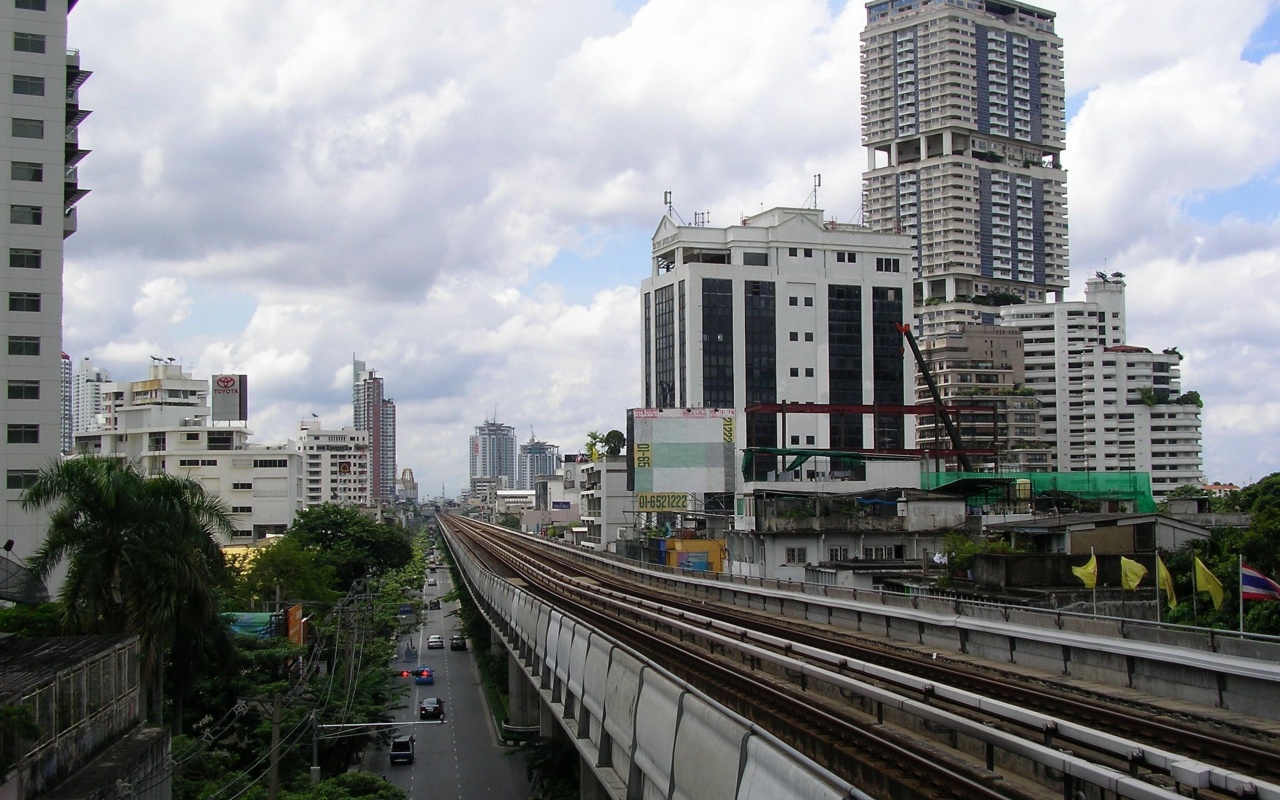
[955,715]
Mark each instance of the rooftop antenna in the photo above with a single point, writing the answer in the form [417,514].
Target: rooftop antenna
[671,209]
[817,181]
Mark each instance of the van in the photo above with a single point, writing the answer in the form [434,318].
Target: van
[402,750]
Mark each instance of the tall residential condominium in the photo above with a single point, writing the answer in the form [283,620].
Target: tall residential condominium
[536,458]
[64,406]
[41,146]
[964,118]
[493,454]
[336,464]
[86,397]
[1105,405]
[376,414]
[782,308]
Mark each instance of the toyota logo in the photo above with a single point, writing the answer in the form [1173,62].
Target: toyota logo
[226,381]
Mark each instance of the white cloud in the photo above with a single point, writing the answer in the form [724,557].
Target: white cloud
[162,301]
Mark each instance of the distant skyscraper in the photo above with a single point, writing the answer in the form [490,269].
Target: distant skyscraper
[964,119]
[374,413]
[42,115]
[86,397]
[493,453]
[64,396]
[536,458]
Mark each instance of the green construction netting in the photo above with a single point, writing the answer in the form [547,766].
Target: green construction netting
[1132,486]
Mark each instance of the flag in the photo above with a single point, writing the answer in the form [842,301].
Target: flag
[1088,573]
[1131,573]
[1256,586]
[1206,582]
[1165,581]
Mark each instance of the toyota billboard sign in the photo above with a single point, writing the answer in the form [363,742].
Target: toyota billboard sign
[230,398]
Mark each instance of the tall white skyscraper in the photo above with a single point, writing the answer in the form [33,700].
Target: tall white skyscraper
[86,397]
[371,411]
[536,458]
[41,146]
[64,405]
[493,453]
[964,119]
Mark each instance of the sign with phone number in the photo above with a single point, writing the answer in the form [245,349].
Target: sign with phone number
[662,501]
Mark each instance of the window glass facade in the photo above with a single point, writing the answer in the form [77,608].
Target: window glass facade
[664,345]
[717,343]
[886,348]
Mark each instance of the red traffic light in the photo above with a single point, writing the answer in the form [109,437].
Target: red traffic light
[404,673]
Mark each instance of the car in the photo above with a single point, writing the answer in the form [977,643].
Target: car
[433,604]
[422,676]
[402,750]
[431,708]
[457,642]
[432,570]
[435,642]
[432,582]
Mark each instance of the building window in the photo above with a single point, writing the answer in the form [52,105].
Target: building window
[30,5]
[808,336]
[245,486]
[808,440]
[24,345]
[808,302]
[22,258]
[24,434]
[808,372]
[28,128]
[793,301]
[837,554]
[20,478]
[26,171]
[26,215]
[750,259]
[888,265]
[242,509]
[24,301]
[795,372]
[797,555]
[192,437]
[28,84]
[847,257]
[808,252]
[24,390]
[188,462]
[794,336]
[270,463]
[793,252]
[28,42]
[795,440]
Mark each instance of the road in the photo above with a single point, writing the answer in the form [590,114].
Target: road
[458,757]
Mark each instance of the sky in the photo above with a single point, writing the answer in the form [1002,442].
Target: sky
[462,194]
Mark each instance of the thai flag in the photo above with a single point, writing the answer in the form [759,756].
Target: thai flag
[1256,586]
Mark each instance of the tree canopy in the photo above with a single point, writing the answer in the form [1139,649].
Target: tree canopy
[344,539]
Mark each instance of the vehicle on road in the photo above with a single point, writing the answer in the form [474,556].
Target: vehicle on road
[423,676]
[431,708]
[433,604]
[435,642]
[457,642]
[402,750]
[432,582]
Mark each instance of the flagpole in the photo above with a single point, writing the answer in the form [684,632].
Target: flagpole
[1093,558]
[1240,586]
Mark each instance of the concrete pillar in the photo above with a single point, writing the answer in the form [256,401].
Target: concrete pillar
[589,787]
[523,701]
[547,724]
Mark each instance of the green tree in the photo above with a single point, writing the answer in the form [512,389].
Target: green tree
[614,442]
[32,621]
[141,556]
[299,573]
[344,538]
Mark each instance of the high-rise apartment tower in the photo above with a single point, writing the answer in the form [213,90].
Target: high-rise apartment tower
[41,147]
[376,414]
[493,453]
[963,118]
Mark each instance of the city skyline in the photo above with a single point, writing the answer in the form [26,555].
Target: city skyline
[472,213]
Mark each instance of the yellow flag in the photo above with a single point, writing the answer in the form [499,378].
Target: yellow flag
[1206,582]
[1088,573]
[1165,581]
[1131,573]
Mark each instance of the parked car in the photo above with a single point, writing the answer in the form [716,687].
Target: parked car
[435,642]
[402,750]
[431,708]
[423,676]
[457,642]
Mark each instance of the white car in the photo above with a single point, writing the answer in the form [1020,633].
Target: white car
[435,642]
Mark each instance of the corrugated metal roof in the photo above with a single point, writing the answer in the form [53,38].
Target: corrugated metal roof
[29,663]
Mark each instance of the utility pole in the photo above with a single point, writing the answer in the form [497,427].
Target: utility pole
[315,751]
[273,790]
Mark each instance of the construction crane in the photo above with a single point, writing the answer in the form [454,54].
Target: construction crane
[952,431]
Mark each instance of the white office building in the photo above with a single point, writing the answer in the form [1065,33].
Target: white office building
[336,464]
[41,147]
[536,458]
[964,119]
[86,397]
[164,425]
[1106,405]
[785,307]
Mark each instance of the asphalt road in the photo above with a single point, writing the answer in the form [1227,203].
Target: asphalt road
[458,757]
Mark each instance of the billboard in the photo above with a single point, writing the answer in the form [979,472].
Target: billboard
[681,451]
[230,398]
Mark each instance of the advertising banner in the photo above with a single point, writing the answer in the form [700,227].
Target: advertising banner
[230,398]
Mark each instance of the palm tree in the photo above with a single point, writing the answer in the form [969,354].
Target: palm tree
[140,551]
